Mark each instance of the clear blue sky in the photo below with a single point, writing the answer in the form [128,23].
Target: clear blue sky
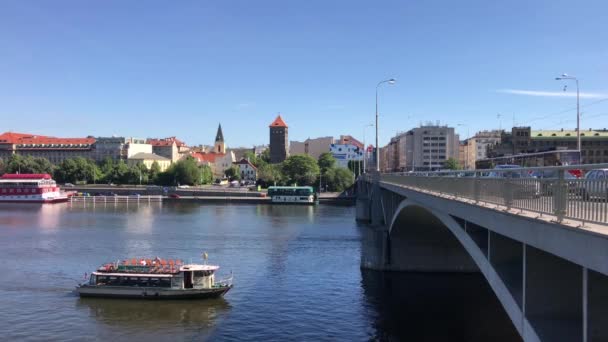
[164,68]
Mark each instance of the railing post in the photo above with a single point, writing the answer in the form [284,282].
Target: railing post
[560,194]
[476,187]
[507,190]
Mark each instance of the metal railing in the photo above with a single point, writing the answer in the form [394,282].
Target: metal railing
[115,199]
[554,191]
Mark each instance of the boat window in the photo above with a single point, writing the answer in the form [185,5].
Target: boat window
[102,280]
[177,282]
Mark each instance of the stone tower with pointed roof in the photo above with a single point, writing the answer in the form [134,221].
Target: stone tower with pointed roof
[279,143]
[219,146]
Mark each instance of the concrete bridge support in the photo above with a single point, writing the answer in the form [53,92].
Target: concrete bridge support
[597,304]
[553,297]
[548,297]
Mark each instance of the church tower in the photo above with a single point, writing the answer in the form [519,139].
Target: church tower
[279,145]
[219,146]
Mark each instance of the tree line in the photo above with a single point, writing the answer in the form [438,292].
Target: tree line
[298,169]
[302,170]
[86,171]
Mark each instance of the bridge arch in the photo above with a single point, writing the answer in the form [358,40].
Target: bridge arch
[419,241]
[421,238]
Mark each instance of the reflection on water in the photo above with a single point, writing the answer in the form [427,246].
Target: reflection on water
[50,215]
[150,314]
[296,268]
[436,307]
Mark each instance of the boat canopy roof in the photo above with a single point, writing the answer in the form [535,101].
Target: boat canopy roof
[290,187]
[125,274]
[22,176]
[152,266]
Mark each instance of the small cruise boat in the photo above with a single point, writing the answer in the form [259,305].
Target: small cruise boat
[30,188]
[154,279]
[292,194]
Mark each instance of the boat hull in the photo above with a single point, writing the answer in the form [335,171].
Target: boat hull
[149,292]
[35,201]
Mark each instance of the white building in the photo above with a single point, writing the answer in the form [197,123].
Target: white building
[247,170]
[135,146]
[345,153]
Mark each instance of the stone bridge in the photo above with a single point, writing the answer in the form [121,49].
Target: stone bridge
[541,244]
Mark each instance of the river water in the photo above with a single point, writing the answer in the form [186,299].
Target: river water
[296,273]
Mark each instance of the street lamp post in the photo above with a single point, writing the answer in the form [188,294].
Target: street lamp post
[364,146]
[578,113]
[389,81]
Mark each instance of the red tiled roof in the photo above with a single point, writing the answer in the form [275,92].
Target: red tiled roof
[166,142]
[347,139]
[245,161]
[278,122]
[206,157]
[21,138]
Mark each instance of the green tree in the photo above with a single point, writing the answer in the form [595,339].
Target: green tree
[154,172]
[233,173]
[167,177]
[301,169]
[265,156]
[271,174]
[356,167]
[452,164]
[107,167]
[206,174]
[43,165]
[77,170]
[66,171]
[326,162]
[339,179]
[21,164]
[187,172]
[119,173]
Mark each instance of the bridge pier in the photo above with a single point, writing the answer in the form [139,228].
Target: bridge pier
[553,296]
[507,258]
[596,304]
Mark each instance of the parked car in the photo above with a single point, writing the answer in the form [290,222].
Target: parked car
[525,184]
[549,179]
[174,196]
[183,186]
[595,185]
[69,185]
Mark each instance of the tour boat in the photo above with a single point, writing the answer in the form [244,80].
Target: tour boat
[292,194]
[154,279]
[30,188]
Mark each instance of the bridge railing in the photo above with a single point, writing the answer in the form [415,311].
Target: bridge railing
[577,192]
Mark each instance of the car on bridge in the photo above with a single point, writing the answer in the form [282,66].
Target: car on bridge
[549,180]
[595,185]
[524,184]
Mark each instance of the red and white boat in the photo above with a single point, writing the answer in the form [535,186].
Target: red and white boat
[30,188]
